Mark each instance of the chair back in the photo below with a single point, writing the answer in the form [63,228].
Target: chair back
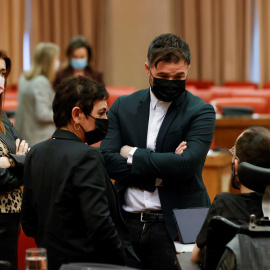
[253,177]
[241,84]
[220,231]
[258,104]
[199,84]
[117,91]
[247,250]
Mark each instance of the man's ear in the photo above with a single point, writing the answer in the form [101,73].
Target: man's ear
[76,114]
[236,165]
[147,68]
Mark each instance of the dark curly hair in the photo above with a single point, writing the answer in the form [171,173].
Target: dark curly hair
[168,48]
[76,91]
[253,146]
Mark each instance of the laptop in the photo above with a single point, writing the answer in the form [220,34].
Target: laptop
[189,223]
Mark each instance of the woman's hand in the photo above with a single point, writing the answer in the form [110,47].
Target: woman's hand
[4,163]
[21,147]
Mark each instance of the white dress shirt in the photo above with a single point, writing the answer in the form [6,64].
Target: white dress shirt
[137,200]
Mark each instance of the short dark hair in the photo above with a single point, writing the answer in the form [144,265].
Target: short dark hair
[168,48]
[78,42]
[253,146]
[76,91]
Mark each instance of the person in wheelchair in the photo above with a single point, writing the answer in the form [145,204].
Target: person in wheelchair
[252,146]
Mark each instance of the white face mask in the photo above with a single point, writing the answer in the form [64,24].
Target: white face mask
[56,64]
[2,84]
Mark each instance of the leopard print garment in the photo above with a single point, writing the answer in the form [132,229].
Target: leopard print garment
[10,202]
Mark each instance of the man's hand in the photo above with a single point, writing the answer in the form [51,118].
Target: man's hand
[125,151]
[181,148]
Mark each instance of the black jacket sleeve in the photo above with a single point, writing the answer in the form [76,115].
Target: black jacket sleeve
[148,165]
[90,187]
[116,165]
[170,165]
[12,177]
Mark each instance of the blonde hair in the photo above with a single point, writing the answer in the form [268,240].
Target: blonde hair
[43,62]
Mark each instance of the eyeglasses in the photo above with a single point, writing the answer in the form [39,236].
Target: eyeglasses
[232,152]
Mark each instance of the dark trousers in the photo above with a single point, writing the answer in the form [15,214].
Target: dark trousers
[153,245]
[9,233]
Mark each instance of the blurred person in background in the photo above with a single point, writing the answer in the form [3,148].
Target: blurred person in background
[79,54]
[34,115]
[12,155]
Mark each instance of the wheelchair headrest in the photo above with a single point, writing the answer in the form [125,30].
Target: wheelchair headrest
[253,177]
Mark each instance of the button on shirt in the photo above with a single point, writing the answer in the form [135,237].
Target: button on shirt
[137,200]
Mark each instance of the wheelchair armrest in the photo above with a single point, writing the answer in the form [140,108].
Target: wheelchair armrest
[220,231]
[216,236]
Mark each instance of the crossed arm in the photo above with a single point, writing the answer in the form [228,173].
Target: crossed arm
[124,152]
[174,166]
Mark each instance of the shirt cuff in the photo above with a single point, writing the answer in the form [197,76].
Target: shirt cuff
[130,155]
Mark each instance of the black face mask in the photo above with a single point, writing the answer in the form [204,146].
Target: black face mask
[167,90]
[99,133]
[235,182]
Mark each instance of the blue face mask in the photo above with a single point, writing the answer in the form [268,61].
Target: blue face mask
[79,64]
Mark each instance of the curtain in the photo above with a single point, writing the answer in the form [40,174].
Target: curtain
[12,29]
[220,37]
[58,21]
[263,7]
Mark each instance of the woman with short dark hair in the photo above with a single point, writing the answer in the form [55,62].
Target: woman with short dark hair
[69,205]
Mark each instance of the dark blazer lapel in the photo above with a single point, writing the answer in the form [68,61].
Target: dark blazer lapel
[171,113]
[143,118]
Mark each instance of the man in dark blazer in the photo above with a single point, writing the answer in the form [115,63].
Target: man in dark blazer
[155,149]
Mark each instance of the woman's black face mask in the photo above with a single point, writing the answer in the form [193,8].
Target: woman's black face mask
[98,134]
[167,90]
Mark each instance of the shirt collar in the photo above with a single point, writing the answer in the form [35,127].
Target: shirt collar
[153,99]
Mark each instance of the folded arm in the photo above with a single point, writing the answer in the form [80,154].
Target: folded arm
[11,167]
[148,165]
[170,165]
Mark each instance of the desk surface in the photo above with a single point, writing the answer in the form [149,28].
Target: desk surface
[227,129]
[218,158]
[183,261]
[259,119]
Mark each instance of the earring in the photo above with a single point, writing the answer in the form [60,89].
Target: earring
[78,127]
